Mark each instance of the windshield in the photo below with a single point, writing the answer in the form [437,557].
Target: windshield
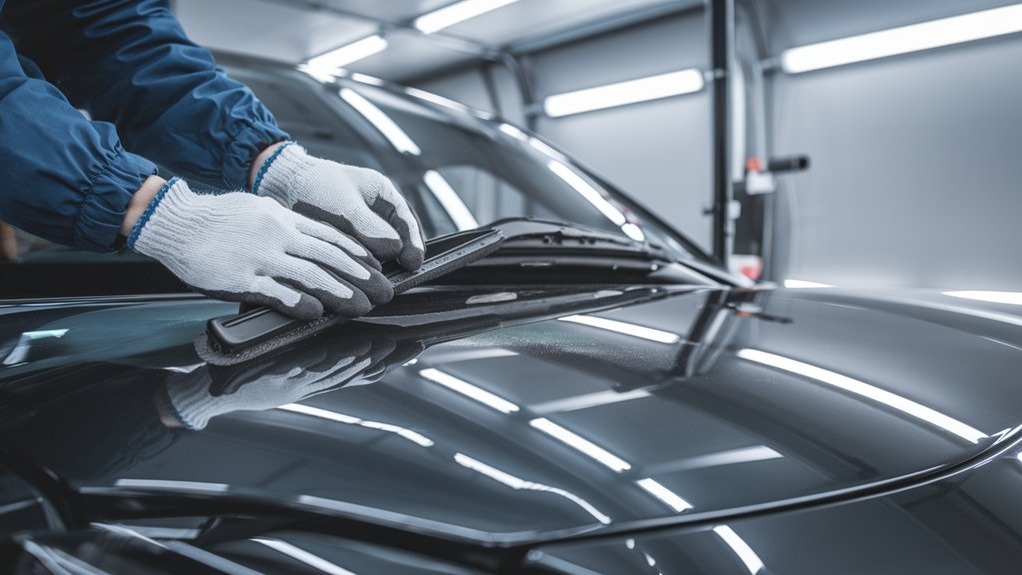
[458,170]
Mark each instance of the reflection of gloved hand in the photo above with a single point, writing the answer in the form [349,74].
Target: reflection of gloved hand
[193,404]
[244,248]
[357,201]
[194,398]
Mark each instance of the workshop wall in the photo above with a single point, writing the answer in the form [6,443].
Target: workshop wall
[915,178]
[657,151]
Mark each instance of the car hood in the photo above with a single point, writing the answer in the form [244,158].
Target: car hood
[634,404]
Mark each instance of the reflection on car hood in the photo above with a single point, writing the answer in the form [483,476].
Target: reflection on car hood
[690,402]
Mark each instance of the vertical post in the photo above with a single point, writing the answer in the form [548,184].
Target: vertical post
[722,18]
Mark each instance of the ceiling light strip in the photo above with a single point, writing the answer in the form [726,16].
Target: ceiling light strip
[455,13]
[904,40]
[624,93]
[334,59]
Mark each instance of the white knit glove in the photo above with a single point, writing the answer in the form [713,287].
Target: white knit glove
[358,201]
[241,247]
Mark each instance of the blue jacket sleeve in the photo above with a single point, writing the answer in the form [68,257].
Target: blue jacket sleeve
[65,178]
[130,63]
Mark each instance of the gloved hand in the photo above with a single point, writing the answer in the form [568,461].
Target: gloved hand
[357,201]
[241,247]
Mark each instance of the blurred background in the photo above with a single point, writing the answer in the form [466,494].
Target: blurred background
[910,154]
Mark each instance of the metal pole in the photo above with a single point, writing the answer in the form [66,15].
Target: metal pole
[722,18]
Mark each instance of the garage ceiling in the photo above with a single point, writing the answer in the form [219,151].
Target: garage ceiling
[296,30]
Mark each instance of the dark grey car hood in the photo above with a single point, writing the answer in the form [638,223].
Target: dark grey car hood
[688,402]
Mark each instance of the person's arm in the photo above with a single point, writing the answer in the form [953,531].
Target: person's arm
[129,62]
[65,178]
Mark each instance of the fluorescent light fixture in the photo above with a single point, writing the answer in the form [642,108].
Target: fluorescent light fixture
[303,556]
[665,495]
[752,561]
[623,93]
[414,437]
[591,194]
[330,62]
[450,200]
[625,328]
[468,390]
[803,284]
[903,40]
[1008,297]
[581,444]
[519,483]
[173,484]
[382,122]
[458,12]
[904,405]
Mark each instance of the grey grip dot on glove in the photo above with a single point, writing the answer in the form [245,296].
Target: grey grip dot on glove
[358,201]
[241,247]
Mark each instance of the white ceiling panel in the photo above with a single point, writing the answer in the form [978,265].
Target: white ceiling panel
[531,18]
[267,28]
[395,11]
[296,30]
[407,56]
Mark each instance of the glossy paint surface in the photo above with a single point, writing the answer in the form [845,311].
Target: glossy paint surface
[683,403]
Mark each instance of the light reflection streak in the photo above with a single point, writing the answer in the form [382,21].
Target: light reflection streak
[465,388]
[1007,297]
[382,122]
[752,561]
[902,404]
[518,483]
[585,401]
[588,192]
[450,200]
[176,485]
[622,327]
[581,444]
[414,437]
[299,554]
[665,495]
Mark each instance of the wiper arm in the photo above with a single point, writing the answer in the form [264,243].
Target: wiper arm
[526,237]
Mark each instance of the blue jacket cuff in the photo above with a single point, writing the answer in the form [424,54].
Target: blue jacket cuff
[243,151]
[102,212]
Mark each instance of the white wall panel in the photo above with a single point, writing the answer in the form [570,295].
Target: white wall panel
[915,176]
